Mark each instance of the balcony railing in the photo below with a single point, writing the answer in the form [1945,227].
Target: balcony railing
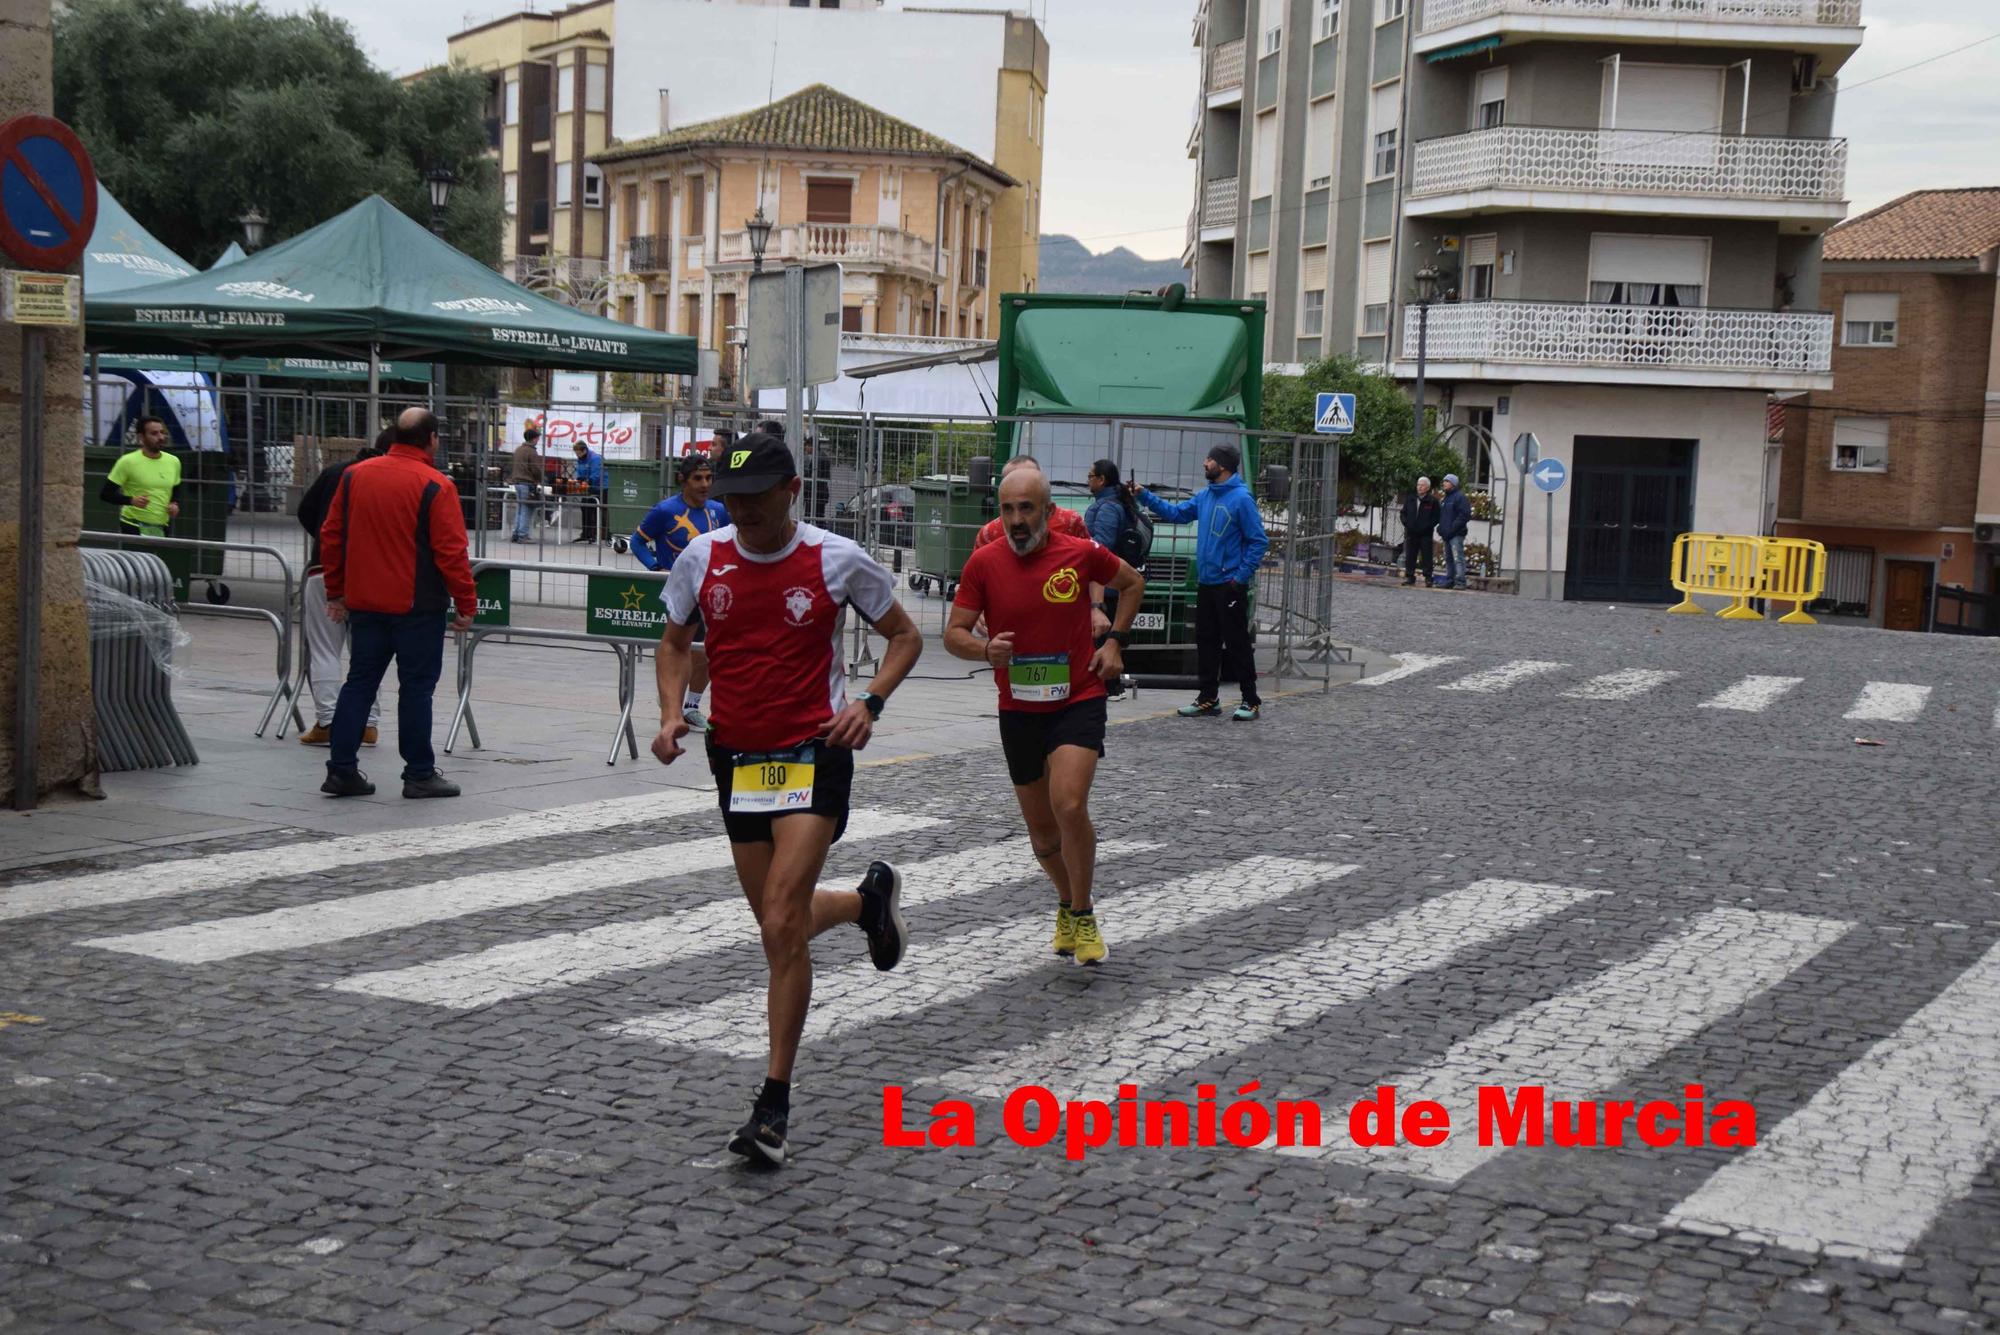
[1218,203]
[1631,162]
[649,254]
[1696,338]
[1225,66]
[850,243]
[977,278]
[1441,14]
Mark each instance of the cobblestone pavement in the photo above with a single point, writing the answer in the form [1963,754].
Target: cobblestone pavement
[480,1079]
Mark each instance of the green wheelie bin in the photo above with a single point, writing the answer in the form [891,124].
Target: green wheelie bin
[950,510]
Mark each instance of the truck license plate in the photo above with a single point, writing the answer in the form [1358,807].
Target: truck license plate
[1150,621]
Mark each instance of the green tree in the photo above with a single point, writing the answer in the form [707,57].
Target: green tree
[194,114]
[1380,459]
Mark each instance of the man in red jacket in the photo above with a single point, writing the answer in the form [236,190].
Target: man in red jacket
[392,548]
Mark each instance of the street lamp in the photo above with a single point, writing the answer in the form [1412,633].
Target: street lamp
[253,223]
[440,179]
[759,228]
[1427,290]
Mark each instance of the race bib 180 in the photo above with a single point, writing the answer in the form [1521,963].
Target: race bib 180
[772,783]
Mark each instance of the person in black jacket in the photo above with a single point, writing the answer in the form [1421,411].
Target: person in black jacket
[326,638]
[1454,521]
[1420,523]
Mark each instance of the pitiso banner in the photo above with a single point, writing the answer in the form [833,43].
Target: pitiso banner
[624,608]
[613,435]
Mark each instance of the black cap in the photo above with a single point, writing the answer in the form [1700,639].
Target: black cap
[753,464]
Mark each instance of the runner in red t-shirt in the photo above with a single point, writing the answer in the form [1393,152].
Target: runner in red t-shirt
[1066,522]
[1033,591]
[781,732]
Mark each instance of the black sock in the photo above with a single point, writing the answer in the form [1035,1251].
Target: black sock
[776,1095]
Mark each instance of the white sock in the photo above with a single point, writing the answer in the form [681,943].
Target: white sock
[691,700]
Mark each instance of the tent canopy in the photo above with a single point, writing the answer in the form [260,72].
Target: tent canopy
[234,253]
[368,280]
[122,254]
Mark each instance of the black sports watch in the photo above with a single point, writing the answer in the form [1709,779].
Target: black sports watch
[1124,638]
[874,703]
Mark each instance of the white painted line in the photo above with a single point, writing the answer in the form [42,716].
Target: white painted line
[1268,996]
[1591,1037]
[1408,665]
[961,966]
[1621,685]
[1500,678]
[332,920]
[545,963]
[1883,1147]
[1890,702]
[221,871]
[1753,695]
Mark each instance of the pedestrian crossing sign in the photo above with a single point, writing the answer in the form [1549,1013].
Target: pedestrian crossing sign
[1333,415]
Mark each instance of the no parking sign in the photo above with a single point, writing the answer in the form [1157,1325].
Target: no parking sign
[48,193]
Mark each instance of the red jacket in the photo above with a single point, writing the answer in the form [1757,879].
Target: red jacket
[394,538]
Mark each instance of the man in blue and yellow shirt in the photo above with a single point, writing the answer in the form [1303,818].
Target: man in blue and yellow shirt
[665,533]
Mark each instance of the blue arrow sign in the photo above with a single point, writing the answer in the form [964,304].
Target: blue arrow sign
[1333,415]
[1549,474]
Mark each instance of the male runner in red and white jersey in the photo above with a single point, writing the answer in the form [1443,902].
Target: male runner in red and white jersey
[1032,590]
[781,732]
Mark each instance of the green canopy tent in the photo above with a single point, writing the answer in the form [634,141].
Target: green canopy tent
[228,257]
[367,284]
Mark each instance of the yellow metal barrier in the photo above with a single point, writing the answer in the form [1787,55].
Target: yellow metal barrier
[1741,568]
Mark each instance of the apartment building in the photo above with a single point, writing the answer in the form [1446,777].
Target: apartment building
[1897,468]
[910,217]
[548,110]
[1615,205]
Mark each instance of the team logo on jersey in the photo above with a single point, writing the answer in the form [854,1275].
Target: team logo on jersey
[798,605]
[718,599]
[1063,586]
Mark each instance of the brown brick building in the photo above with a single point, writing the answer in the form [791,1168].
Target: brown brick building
[1897,468]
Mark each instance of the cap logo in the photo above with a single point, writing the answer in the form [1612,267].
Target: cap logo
[736,458]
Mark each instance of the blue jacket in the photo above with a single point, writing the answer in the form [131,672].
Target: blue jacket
[590,468]
[1105,519]
[1454,513]
[1230,544]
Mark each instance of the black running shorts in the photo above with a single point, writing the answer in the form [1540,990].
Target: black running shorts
[1028,736]
[833,785]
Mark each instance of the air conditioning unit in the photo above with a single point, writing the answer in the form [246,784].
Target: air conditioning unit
[1805,73]
[1985,532]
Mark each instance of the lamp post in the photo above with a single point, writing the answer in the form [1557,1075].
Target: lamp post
[1427,287]
[759,228]
[439,179]
[253,223]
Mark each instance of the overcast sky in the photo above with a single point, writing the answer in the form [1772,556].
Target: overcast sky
[1123,81]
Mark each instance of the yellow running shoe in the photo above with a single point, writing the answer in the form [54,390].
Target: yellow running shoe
[1065,942]
[1090,947]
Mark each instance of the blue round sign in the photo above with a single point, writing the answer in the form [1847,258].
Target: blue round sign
[48,193]
[1549,474]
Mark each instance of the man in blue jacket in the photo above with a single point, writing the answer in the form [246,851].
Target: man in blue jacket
[590,472]
[1229,546]
[1454,521]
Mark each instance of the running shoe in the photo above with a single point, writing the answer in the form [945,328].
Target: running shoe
[1065,942]
[762,1138]
[1090,947]
[1201,709]
[694,720]
[1246,712]
[882,915]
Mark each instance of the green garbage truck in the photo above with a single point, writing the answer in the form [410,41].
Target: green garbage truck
[1151,382]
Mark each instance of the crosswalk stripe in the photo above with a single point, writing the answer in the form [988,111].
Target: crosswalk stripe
[1890,702]
[1591,1037]
[967,963]
[1500,678]
[1753,695]
[520,968]
[1869,1162]
[1408,665]
[333,920]
[221,871]
[1255,1002]
[1621,685]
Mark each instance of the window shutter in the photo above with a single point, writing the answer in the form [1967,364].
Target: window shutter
[1264,156]
[1872,306]
[1315,270]
[1375,273]
[1260,274]
[1616,258]
[1481,250]
[1865,432]
[829,201]
[1384,108]
[1491,86]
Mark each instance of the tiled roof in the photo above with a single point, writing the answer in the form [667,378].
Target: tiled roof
[1922,225]
[815,117]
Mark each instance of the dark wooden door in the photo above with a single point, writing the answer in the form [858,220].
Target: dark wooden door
[1629,499]
[1907,595]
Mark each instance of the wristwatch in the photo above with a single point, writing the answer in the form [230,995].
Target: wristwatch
[874,703]
[1124,638]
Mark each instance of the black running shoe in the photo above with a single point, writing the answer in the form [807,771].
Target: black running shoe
[882,915]
[762,1139]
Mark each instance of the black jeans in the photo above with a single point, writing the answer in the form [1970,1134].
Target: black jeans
[1222,640]
[416,642]
[592,509]
[1417,547]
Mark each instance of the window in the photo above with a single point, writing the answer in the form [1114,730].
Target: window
[1312,292]
[850,319]
[1478,458]
[564,172]
[829,200]
[510,192]
[593,186]
[1388,10]
[595,77]
[1319,144]
[1384,113]
[697,206]
[565,89]
[1648,270]
[513,101]
[1274,39]
[1860,444]
[1489,98]
[1258,284]
[1327,20]
[1375,264]
[1034,118]
[1868,320]
[628,310]
[1264,156]
[660,309]
[1480,255]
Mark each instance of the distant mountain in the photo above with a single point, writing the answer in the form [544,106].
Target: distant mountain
[1068,267]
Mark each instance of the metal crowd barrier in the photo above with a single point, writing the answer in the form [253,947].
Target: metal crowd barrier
[131,691]
[626,629]
[1740,568]
[286,692]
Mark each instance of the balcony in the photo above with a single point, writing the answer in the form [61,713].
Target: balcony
[1706,346]
[1218,209]
[1829,29]
[1225,73]
[1527,167]
[649,254]
[847,243]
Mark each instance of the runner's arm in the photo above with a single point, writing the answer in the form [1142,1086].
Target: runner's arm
[644,550]
[672,668]
[1130,585]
